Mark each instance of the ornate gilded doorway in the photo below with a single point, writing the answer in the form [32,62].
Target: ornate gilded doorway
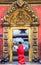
[21,16]
[12,41]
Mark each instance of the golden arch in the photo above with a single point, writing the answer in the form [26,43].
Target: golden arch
[20,11]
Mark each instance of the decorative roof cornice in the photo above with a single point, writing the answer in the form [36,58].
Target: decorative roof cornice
[29,1]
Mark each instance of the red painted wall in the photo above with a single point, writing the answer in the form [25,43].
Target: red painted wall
[2,11]
[37,9]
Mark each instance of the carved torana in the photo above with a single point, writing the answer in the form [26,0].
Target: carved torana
[20,13]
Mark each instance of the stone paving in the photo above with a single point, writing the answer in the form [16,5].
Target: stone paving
[28,63]
[17,64]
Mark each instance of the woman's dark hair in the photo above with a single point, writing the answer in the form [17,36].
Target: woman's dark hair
[20,43]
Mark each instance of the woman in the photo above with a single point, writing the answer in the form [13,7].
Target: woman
[20,52]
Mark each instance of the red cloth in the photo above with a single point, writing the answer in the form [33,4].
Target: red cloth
[20,51]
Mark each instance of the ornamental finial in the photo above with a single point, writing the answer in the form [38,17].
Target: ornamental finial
[20,2]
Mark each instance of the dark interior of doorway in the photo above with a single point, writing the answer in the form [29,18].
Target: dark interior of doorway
[23,36]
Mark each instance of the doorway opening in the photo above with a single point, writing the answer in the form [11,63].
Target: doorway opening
[20,35]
